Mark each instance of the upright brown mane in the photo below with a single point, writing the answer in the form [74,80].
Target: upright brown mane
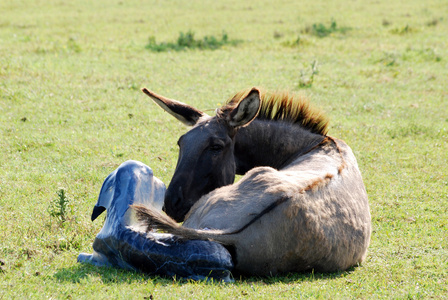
[286,107]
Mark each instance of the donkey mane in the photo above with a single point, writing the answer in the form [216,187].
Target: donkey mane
[283,106]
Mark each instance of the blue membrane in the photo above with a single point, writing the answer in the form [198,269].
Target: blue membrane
[122,243]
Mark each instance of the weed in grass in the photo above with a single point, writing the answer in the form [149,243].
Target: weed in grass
[403,30]
[72,45]
[300,41]
[294,43]
[389,59]
[386,23]
[306,81]
[187,41]
[393,59]
[408,130]
[421,55]
[59,207]
[277,35]
[320,30]
[433,22]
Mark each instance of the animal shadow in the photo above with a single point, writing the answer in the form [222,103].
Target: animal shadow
[307,276]
[82,272]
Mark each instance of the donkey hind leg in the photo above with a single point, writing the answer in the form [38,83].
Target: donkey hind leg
[122,244]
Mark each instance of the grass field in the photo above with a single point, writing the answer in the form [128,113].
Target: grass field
[71,111]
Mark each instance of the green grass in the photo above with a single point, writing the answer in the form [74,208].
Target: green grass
[321,30]
[187,41]
[71,111]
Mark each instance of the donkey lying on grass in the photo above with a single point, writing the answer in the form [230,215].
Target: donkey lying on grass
[301,204]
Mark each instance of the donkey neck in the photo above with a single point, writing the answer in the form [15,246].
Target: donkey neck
[271,143]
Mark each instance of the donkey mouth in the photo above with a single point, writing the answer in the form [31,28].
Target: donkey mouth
[175,205]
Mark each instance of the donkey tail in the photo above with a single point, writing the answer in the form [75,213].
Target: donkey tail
[151,218]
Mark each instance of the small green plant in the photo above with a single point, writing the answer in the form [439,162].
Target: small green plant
[307,81]
[386,23]
[59,207]
[389,59]
[187,41]
[433,22]
[293,43]
[393,59]
[320,30]
[403,30]
[278,35]
[299,42]
[421,55]
[72,45]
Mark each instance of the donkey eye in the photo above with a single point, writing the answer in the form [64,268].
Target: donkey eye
[216,148]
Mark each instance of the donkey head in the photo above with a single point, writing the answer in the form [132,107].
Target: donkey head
[206,160]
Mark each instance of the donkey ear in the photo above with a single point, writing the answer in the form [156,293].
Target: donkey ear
[181,111]
[246,110]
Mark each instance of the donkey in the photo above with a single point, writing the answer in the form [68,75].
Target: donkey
[301,204]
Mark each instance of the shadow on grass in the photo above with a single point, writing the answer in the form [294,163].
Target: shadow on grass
[85,272]
[294,277]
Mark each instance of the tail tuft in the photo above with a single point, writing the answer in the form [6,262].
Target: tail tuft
[153,219]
